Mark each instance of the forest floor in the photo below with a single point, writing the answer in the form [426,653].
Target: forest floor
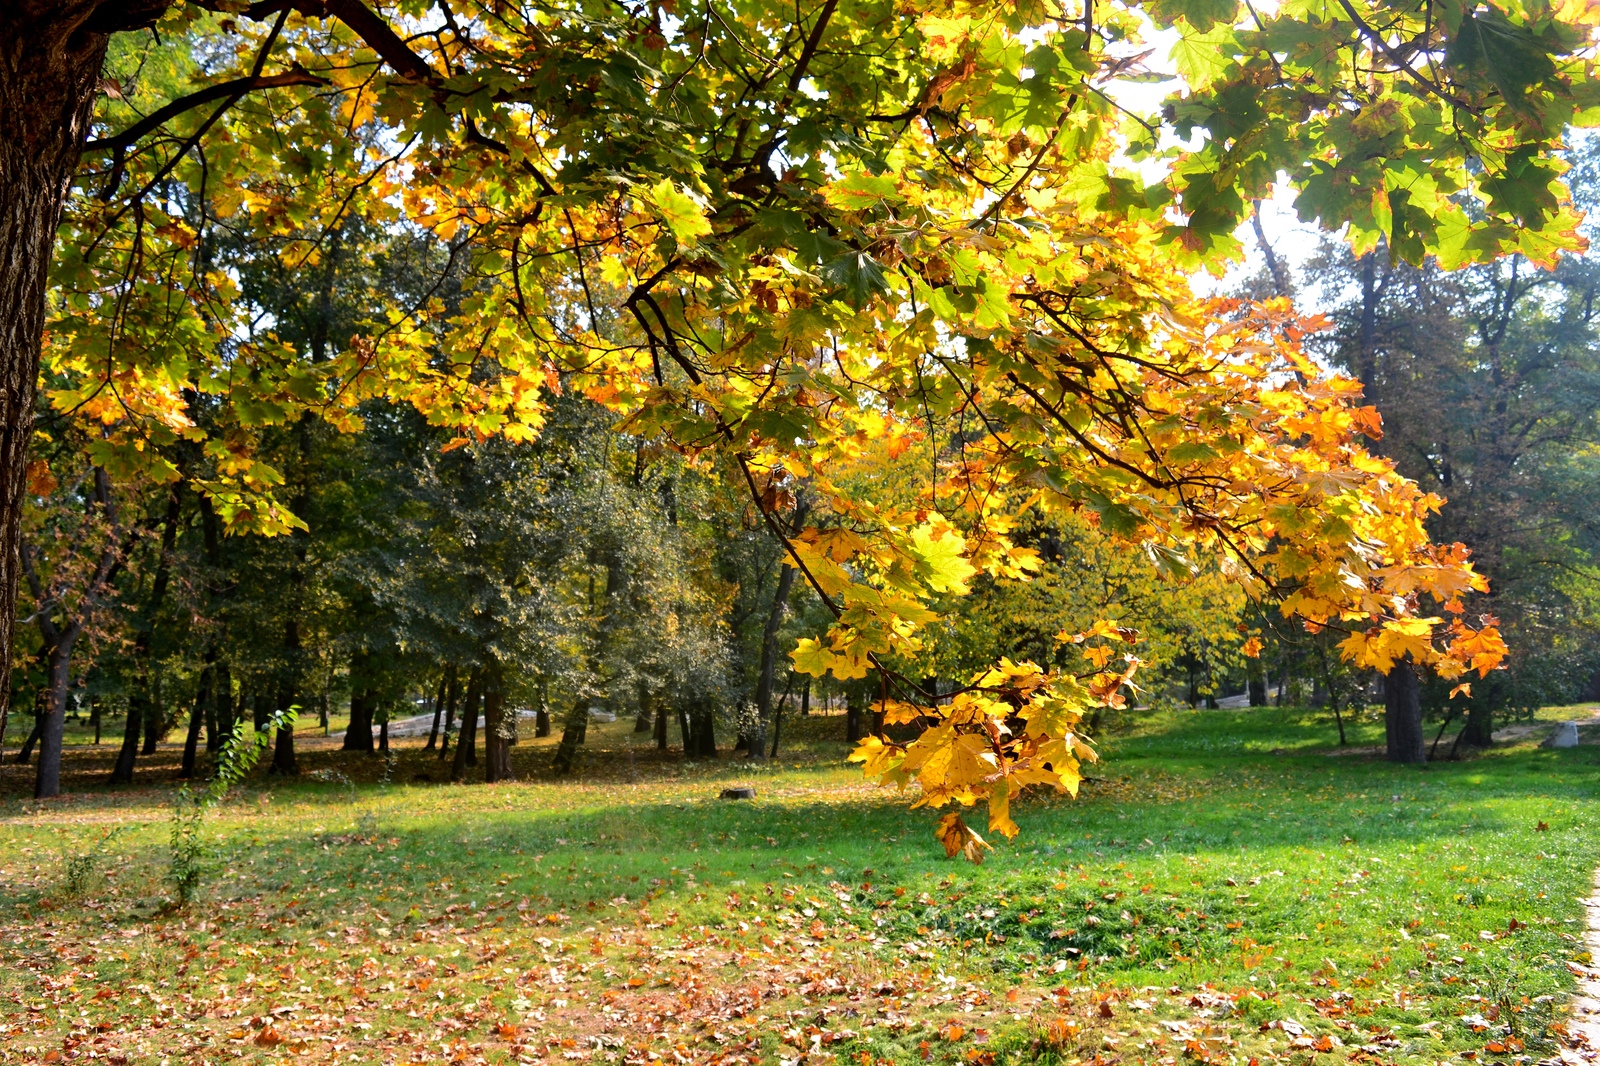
[1221,892]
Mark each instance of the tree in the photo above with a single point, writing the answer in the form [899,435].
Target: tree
[887,217]
[1488,379]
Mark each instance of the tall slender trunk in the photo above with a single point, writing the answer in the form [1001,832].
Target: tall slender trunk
[469,722]
[572,736]
[446,679]
[155,721]
[47,782]
[496,730]
[769,659]
[777,714]
[661,725]
[51,53]
[1402,715]
[1479,730]
[283,757]
[122,770]
[197,716]
[805,698]
[541,719]
[852,713]
[644,716]
[25,752]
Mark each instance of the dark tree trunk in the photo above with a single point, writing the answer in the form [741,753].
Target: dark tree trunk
[541,716]
[47,781]
[51,53]
[202,699]
[805,698]
[451,699]
[769,660]
[383,733]
[358,734]
[703,729]
[852,713]
[283,758]
[1402,715]
[94,723]
[122,770]
[573,734]
[219,712]
[496,731]
[661,725]
[645,717]
[447,679]
[684,733]
[1256,682]
[1479,730]
[469,726]
[154,719]
[25,752]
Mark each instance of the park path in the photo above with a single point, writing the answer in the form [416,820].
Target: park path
[1583,1047]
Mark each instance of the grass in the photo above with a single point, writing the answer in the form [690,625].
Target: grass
[1223,890]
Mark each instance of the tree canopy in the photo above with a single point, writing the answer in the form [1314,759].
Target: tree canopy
[794,242]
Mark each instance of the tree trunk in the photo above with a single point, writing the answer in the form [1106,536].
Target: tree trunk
[283,757]
[805,698]
[496,731]
[1479,730]
[573,735]
[645,717]
[769,659]
[661,725]
[452,698]
[154,719]
[447,679]
[1402,715]
[219,711]
[122,771]
[383,732]
[358,734]
[47,781]
[852,714]
[202,699]
[541,719]
[25,752]
[1256,682]
[51,53]
[466,741]
[703,729]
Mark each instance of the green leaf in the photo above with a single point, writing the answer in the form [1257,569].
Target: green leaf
[1201,14]
[858,274]
[681,212]
[942,562]
[1513,56]
[861,190]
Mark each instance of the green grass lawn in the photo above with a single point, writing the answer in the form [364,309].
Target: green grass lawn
[1224,889]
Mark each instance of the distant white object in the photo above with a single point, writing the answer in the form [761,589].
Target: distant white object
[1565,736]
[597,715]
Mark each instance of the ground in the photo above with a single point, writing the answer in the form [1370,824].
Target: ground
[1223,891]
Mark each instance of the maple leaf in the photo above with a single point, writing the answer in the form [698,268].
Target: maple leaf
[959,839]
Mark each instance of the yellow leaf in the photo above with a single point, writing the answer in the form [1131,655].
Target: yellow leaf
[959,839]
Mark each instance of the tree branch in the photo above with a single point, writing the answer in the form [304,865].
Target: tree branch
[235,88]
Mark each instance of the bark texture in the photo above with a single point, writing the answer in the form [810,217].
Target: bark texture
[1402,715]
[50,58]
[769,661]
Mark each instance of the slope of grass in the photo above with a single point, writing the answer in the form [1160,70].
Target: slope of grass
[1223,889]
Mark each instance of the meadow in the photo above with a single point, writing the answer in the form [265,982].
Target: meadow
[1228,888]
